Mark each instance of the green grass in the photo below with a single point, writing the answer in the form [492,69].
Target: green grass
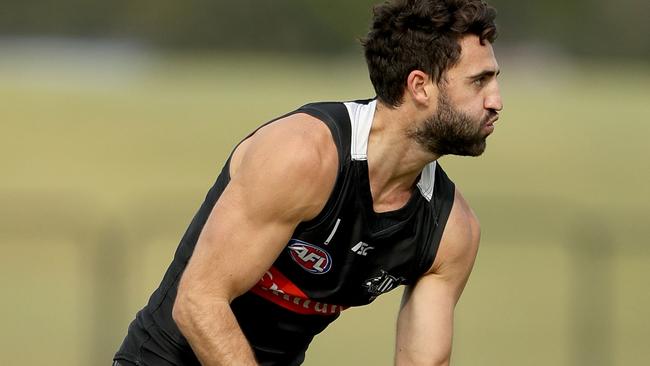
[92,161]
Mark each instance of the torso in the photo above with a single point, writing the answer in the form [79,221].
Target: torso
[346,256]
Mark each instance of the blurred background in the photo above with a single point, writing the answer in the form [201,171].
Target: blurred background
[116,117]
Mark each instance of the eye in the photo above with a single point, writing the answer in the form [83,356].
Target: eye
[479,81]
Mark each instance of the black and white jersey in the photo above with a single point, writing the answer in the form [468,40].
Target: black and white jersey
[346,256]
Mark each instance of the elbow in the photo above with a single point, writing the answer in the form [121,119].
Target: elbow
[187,308]
[192,308]
[423,363]
[443,359]
[186,305]
[443,363]
[181,313]
[422,360]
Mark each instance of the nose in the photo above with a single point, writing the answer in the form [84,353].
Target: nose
[493,100]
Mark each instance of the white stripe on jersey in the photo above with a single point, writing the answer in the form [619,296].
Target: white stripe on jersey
[361,116]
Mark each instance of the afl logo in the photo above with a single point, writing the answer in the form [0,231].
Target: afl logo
[311,258]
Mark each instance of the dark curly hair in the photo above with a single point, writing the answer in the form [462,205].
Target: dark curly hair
[409,35]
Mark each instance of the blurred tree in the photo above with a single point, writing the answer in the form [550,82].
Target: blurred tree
[269,25]
[593,28]
[600,28]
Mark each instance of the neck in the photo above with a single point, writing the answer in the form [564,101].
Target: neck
[395,160]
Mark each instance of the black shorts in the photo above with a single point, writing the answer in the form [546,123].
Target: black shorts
[149,350]
[278,337]
[123,363]
[151,354]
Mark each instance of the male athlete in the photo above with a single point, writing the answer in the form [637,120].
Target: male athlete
[334,204]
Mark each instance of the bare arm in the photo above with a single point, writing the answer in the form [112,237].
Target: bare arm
[425,322]
[272,189]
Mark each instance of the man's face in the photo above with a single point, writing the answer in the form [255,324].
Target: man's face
[467,106]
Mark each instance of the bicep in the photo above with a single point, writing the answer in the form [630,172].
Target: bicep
[235,246]
[268,196]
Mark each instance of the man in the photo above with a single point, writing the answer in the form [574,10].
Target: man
[334,204]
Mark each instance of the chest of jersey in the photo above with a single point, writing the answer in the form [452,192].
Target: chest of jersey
[351,254]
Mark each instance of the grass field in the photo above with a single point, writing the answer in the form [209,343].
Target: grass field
[105,161]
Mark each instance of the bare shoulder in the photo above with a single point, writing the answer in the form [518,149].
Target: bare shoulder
[306,138]
[460,240]
[292,157]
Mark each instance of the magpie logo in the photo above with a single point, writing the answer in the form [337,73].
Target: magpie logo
[382,283]
[362,248]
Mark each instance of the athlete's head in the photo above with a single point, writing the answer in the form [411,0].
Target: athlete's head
[450,131]
[408,35]
[445,44]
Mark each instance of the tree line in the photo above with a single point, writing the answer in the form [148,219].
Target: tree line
[601,28]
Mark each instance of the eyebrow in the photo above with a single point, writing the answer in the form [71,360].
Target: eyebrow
[485,73]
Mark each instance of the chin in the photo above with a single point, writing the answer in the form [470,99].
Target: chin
[476,149]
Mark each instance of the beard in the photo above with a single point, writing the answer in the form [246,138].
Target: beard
[452,132]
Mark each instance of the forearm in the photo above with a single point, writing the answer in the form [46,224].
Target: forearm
[418,347]
[406,357]
[425,326]
[214,334]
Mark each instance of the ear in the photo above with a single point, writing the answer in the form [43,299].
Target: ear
[421,88]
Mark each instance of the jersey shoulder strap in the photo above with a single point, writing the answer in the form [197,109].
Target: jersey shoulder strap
[335,115]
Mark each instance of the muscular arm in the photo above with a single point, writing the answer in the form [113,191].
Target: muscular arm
[272,189]
[425,322]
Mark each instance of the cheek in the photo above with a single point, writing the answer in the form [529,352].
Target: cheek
[478,108]
[474,110]
[469,102]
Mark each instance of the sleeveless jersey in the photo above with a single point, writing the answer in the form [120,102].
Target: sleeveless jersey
[346,256]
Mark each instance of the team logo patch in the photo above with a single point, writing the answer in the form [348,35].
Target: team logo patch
[382,283]
[311,258]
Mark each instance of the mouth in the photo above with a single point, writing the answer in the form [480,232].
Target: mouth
[489,125]
[491,121]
